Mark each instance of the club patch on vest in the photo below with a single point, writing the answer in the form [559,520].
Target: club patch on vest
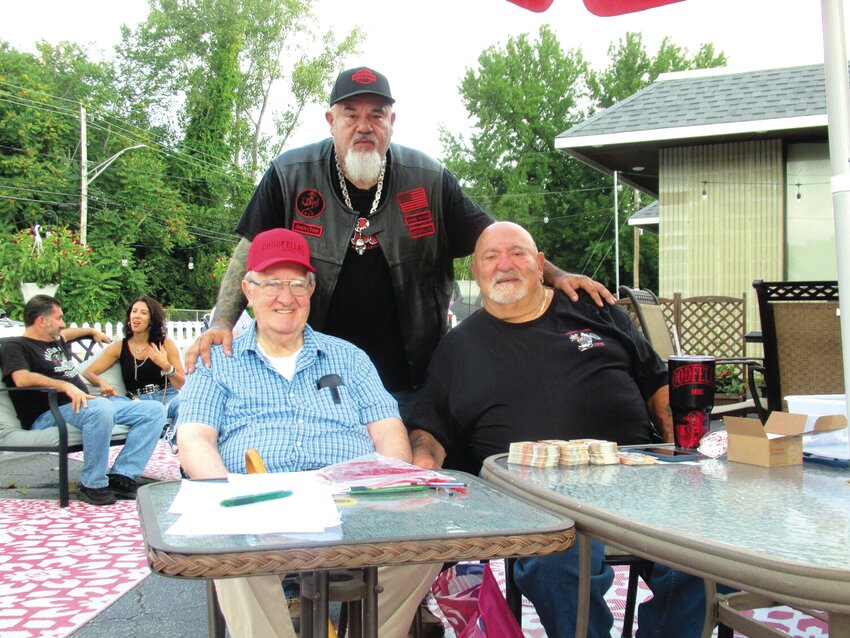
[420,224]
[311,230]
[310,203]
[412,200]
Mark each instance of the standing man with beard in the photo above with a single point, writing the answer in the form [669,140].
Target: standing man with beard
[383,222]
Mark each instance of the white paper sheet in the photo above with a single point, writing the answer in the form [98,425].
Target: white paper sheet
[310,508]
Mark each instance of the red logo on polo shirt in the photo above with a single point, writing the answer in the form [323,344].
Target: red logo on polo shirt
[364,76]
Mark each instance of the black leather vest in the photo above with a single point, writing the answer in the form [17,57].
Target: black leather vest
[408,225]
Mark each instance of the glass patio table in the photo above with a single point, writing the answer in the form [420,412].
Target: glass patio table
[780,534]
[431,526]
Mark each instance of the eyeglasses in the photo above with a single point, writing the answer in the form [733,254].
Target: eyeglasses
[273,287]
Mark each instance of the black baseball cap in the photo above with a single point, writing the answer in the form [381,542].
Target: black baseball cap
[359,81]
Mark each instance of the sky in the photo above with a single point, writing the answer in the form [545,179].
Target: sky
[424,47]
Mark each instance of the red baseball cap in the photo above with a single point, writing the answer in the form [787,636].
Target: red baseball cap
[278,246]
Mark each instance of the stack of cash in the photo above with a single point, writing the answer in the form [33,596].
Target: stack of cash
[533,454]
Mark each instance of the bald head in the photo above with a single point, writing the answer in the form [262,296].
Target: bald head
[508,268]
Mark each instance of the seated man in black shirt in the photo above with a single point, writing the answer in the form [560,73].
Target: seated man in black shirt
[533,365]
[40,358]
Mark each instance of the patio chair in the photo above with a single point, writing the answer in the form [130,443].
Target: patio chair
[60,439]
[653,324]
[801,336]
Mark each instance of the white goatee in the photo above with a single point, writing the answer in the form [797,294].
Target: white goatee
[362,168]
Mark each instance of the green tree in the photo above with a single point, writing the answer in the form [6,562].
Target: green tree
[519,98]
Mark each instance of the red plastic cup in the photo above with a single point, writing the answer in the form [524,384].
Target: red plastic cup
[691,380]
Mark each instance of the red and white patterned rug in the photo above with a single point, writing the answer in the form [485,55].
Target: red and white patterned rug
[61,567]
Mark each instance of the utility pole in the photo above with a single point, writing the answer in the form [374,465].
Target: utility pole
[84,173]
[616,235]
[88,176]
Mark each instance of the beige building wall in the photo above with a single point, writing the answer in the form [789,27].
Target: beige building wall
[722,219]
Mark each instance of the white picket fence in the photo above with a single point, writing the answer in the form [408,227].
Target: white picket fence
[183,333]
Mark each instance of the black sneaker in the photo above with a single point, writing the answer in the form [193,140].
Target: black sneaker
[123,486]
[96,495]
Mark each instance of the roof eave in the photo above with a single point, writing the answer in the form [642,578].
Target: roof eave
[691,132]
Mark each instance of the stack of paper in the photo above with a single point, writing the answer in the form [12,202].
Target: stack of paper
[310,507]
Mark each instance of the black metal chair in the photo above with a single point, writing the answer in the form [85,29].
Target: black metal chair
[801,337]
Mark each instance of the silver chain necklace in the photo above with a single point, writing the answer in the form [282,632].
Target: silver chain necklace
[358,239]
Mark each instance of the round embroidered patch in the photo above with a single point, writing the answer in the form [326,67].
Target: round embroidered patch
[310,203]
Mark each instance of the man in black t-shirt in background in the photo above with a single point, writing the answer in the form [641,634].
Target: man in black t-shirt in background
[533,365]
[40,358]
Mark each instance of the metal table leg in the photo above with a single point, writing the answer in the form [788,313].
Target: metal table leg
[370,605]
[583,611]
[215,619]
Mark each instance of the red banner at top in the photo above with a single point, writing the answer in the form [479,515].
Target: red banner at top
[598,7]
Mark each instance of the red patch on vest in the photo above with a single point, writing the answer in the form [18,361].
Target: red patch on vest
[412,200]
[311,230]
[310,203]
[420,224]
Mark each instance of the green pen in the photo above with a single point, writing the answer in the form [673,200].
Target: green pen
[255,498]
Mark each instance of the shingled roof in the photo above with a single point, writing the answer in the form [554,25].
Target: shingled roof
[699,107]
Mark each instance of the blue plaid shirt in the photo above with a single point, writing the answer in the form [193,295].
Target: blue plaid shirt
[294,425]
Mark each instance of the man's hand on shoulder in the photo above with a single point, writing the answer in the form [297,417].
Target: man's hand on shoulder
[571,284]
[201,348]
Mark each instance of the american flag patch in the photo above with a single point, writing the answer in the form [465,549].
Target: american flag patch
[420,224]
[410,201]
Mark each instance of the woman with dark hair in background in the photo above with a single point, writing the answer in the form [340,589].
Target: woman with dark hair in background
[150,362]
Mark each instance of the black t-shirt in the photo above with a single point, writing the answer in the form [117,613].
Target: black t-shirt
[50,358]
[363,307]
[578,371]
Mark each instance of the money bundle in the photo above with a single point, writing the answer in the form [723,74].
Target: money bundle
[571,452]
[533,454]
[635,458]
[603,453]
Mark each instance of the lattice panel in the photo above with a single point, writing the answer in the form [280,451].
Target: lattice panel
[713,325]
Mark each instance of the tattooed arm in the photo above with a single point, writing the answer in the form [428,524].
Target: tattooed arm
[230,305]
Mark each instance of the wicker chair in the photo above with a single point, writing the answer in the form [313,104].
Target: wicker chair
[801,336]
[653,324]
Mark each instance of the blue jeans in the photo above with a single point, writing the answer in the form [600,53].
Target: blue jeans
[676,610]
[145,418]
[170,398]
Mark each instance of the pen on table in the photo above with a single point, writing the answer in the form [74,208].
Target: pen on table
[255,498]
[362,490]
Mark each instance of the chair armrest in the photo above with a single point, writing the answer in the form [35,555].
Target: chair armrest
[751,383]
[53,406]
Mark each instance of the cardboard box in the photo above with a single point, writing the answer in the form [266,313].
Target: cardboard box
[778,442]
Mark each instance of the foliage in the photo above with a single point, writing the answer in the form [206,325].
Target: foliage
[728,379]
[92,285]
[519,98]
[195,84]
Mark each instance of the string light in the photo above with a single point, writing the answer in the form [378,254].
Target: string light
[705,190]
[191,264]
[799,196]
[124,261]
[545,219]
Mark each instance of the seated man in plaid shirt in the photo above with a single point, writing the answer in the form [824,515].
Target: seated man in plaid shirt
[266,396]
